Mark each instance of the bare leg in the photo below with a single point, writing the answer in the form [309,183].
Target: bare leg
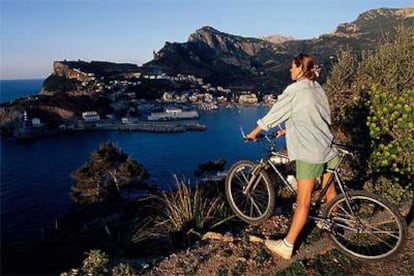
[331,192]
[305,188]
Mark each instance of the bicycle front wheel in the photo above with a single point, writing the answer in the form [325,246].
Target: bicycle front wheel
[256,204]
[367,226]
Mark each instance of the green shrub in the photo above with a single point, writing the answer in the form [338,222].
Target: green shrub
[371,98]
[392,130]
[391,189]
[95,263]
[123,270]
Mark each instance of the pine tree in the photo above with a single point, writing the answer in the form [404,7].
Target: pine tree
[103,176]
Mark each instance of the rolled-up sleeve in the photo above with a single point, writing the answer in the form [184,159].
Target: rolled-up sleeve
[280,111]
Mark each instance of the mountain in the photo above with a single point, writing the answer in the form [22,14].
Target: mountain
[276,39]
[262,63]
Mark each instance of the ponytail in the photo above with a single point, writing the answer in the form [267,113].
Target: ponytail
[309,70]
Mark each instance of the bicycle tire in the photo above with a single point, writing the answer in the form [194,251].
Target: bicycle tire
[377,230]
[256,206]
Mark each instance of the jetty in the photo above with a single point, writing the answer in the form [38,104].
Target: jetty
[145,126]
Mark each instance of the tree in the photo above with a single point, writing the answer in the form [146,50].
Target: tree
[102,178]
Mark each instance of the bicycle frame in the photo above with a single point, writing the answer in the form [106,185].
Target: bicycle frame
[265,162]
[360,223]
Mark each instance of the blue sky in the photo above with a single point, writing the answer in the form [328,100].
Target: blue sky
[34,33]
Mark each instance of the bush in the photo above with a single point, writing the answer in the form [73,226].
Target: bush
[372,101]
[181,211]
[390,189]
[95,263]
[392,130]
[123,270]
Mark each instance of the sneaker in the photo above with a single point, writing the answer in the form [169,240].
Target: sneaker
[280,248]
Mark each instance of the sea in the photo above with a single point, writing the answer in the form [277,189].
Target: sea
[36,176]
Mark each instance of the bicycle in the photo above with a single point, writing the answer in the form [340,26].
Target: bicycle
[361,224]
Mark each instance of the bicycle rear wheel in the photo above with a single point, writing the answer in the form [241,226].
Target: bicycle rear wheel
[253,206]
[369,228]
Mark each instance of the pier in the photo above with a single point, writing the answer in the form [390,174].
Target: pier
[166,127]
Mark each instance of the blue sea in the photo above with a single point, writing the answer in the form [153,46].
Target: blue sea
[35,176]
[13,89]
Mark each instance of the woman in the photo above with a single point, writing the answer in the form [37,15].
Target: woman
[304,107]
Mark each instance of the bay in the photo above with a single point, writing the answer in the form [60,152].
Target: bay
[13,89]
[35,177]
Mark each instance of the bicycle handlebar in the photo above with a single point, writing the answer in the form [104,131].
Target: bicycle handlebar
[259,136]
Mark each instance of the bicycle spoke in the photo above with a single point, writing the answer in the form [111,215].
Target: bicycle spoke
[382,241]
[380,231]
[346,213]
[244,180]
[257,207]
[385,222]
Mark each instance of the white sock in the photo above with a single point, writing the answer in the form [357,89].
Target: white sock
[288,244]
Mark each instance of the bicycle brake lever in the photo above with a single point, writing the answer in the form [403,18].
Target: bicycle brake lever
[244,136]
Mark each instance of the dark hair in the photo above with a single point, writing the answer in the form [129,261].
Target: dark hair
[306,63]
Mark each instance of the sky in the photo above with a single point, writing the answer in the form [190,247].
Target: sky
[34,33]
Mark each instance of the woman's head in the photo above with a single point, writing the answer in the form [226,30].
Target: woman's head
[302,66]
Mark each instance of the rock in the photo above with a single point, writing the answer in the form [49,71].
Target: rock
[217,236]
[255,239]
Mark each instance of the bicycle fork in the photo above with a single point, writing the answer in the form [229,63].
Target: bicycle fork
[254,180]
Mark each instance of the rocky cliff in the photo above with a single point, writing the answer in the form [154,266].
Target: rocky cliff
[227,43]
[62,69]
[374,22]
[262,64]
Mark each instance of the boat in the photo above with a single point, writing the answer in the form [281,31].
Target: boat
[173,114]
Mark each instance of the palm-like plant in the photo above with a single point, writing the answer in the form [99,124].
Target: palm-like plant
[182,210]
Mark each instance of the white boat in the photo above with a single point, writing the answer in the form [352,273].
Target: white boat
[173,114]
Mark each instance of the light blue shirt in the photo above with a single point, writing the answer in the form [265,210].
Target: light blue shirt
[304,107]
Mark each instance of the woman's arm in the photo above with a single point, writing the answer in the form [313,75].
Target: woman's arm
[280,111]
[253,134]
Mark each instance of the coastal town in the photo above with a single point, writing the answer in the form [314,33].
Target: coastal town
[176,109]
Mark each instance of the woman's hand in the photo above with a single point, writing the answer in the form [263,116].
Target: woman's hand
[280,132]
[253,134]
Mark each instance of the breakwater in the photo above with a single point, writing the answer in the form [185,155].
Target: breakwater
[28,133]
[168,127]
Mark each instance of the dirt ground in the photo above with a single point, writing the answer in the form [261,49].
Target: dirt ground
[236,254]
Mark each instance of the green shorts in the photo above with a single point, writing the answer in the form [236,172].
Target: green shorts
[305,170]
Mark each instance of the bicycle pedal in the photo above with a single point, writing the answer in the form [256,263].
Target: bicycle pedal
[322,225]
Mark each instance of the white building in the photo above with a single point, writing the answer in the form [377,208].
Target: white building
[91,116]
[36,122]
[248,99]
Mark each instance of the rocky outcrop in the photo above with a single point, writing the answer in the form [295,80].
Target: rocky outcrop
[63,113]
[223,42]
[63,70]
[277,39]
[374,21]
[8,117]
